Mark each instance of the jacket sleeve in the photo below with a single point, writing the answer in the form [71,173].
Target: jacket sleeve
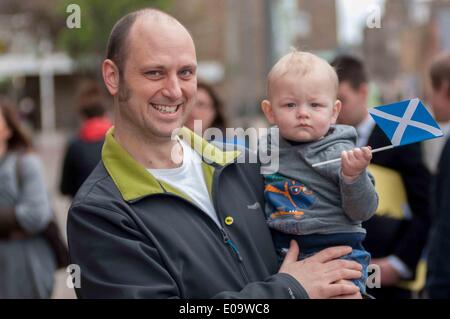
[359,198]
[417,181]
[67,185]
[438,279]
[116,261]
[278,286]
[32,210]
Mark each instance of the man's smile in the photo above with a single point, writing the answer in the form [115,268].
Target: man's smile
[164,108]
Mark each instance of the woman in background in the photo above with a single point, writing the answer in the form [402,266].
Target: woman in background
[27,262]
[208,108]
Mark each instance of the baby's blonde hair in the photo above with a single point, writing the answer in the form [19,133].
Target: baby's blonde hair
[301,63]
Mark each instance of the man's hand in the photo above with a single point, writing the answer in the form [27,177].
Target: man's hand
[389,276]
[354,162]
[322,273]
[356,295]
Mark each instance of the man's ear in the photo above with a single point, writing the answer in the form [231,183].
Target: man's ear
[445,86]
[363,91]
[111,76]
[266,107]
[336,110]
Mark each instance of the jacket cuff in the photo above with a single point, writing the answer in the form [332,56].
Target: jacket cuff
[402,269]
[295,289]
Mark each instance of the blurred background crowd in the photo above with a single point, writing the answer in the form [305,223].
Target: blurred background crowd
[50,73]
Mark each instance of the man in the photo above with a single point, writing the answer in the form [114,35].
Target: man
[438,279]
[395,244]
[147,225]
[83,151]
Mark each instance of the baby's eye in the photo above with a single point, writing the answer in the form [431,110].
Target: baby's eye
[290,105]
[316,105]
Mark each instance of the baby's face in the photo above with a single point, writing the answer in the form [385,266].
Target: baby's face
[303,107]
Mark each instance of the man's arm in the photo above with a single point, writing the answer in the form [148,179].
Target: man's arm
[438,281]
[66,184]
[417,180]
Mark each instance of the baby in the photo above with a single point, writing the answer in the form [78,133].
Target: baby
[319,206]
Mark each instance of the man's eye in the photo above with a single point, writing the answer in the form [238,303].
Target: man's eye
[153,73]
[186,73]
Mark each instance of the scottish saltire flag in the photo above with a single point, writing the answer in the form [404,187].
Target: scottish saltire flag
[406,122]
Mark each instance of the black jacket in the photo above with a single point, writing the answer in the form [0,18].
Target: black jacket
[438,281]
[83,153]
[136,237]
[80,159]
[406,238]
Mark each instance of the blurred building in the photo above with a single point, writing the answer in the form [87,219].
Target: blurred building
[237,43]
[31,73]
[399,53]
[319,32]
[240,41]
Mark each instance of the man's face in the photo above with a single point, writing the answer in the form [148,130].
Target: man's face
[440,101]
[354,104]
[303,107]
[159,82]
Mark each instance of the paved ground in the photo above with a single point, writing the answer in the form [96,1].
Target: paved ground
[51,148]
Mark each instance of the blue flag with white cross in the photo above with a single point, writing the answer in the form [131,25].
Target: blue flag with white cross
[406,122]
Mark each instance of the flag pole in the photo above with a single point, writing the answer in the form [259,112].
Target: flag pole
[338,159]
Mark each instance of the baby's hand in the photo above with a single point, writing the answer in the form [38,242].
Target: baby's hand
[354,162]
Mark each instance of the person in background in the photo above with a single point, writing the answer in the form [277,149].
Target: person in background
[396,244]
[438,276]
[27,262]
[208,108]
[83,151]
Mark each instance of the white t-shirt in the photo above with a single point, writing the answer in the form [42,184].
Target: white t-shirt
[189,179]
[364,130]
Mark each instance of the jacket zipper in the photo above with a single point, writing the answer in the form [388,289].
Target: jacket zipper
[226,238]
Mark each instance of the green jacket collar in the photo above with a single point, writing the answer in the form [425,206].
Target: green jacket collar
[134,181]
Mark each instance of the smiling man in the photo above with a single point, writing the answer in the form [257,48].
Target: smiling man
[145,225]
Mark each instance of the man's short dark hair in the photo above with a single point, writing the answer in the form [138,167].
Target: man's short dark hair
[350,69]
[117,48]
[440,71]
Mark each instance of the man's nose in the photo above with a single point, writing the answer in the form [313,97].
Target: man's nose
[172,88]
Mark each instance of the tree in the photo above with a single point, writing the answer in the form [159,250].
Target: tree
[97,19]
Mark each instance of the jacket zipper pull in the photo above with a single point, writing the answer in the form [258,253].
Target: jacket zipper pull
[228,241]
[224,236]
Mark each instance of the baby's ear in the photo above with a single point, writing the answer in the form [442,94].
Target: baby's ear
[336,109]
[266,107]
